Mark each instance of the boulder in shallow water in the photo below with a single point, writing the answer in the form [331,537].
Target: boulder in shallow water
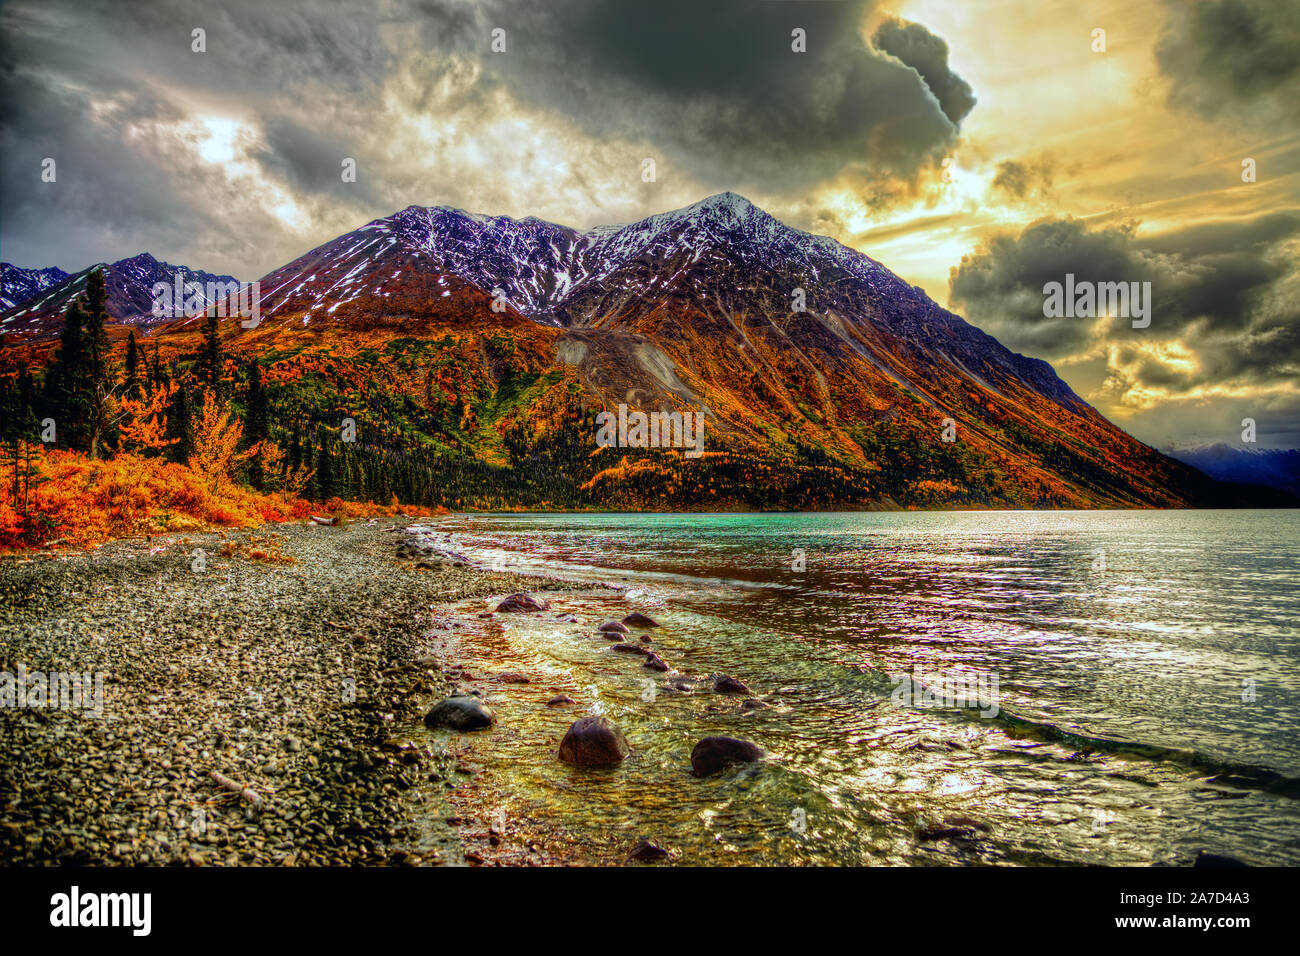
[637,619]
[630,649]
[462,712]
[514,677]
[712,754]
[655,663]
[613,627]
[593,742]
[560,700]
[729,685]
[522,603]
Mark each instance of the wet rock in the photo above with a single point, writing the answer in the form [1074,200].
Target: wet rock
[713,754]
[522,603]
[593,742]
[613,627]
[462,712]
[560,700]
[647,852]
[753,703]
[729,685]
[1217,859]
[513,677]
[630,649]
[637,619]
[655,663]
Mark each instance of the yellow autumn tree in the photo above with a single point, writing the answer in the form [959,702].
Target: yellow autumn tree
[216,443]
[143,426]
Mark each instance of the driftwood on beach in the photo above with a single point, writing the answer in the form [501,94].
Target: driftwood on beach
[225,782]
[326,521]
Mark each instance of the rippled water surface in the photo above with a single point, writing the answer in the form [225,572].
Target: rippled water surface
[1147,669]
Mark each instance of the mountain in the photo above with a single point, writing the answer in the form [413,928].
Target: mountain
[483,347]
[1270,467]
[18,285]
[129,283]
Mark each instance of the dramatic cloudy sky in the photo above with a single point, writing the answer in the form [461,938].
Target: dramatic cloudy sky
[977,149]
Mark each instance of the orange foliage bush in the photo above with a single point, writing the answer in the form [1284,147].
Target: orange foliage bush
[86,502]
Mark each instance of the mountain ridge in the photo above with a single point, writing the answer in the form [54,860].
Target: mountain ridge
[495,341]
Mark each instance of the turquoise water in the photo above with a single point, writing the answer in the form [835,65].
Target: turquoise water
[1138,675]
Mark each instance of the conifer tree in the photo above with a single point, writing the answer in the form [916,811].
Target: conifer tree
[131,387]
[212,361]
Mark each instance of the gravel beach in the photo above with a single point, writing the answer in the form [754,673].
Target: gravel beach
[286,679]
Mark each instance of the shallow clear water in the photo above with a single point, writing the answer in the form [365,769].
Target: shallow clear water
[1147,669]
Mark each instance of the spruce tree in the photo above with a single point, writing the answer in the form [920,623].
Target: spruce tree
[99,365]
[212,361]
[132,384]
[64,395]
[257,427]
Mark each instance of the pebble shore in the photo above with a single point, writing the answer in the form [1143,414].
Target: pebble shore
[284,678]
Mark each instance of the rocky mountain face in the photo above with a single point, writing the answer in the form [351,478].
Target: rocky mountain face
[17,285]
[129,282]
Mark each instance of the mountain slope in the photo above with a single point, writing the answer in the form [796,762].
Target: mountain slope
[1270,467]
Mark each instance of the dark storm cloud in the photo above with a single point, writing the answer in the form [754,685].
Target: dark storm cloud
[116,94]
[1228,292]
[1229,58]
[311,160]
[928,55]
[717,86]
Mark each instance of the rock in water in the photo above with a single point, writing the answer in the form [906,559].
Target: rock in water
[522,602]
[461,712]
[655,663]
[593,742]
[613,627]
[630,649]
[712,754]
[559,700]
[647,852]
[637,619]
[729,685]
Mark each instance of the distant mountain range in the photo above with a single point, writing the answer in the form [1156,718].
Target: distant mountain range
[1272,468]
[17,285]
[36,299]
[824,379]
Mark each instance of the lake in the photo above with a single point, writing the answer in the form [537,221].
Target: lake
[1138,680]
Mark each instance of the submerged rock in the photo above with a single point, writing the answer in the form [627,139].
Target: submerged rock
[593,742]
[712,754]
[613,627]
[637,619]
[655,663]
[514,677]
[462,712]
[520,603]
[729,685]
[630,649]
[559,700]
[647,852]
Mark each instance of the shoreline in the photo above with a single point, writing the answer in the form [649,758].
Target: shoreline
[292,680]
